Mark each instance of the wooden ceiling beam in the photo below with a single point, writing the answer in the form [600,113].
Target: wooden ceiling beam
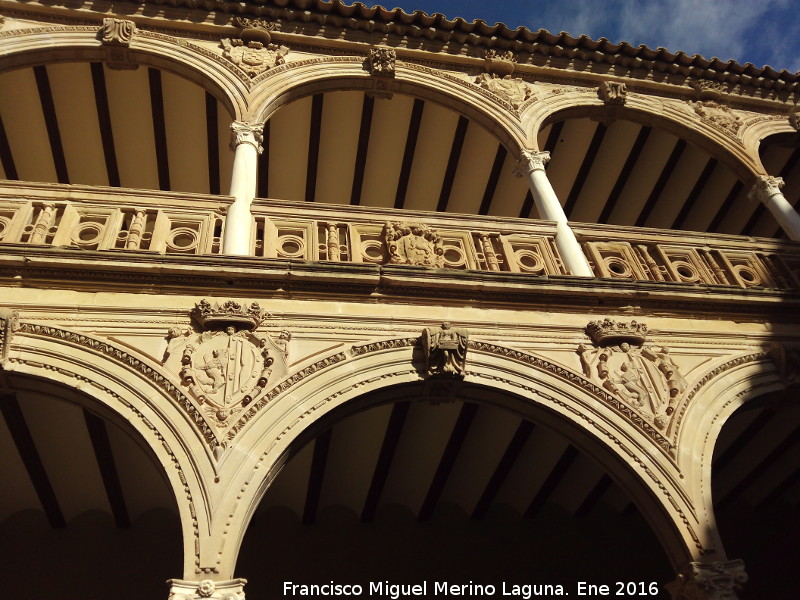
[108,468]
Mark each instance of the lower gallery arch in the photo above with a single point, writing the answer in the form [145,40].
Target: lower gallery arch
[86,509]
[402,485]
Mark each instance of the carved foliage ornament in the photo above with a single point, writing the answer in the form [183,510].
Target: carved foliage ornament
[765,187]
[646,378]
[117,32]
[202,590]
[226,366]
[700,581]
[445,349]
[381,61]
[253,52]
[413,244]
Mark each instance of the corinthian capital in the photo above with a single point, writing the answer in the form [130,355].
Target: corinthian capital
[709,581]
[766,187]
[529,161]
[247,133]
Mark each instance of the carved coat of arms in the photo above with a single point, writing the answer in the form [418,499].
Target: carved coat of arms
[226,365]
[445,349]
[646,378]
[254,53]
[413,244]
[511,89]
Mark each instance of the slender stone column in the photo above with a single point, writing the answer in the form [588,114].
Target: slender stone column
[531,164]
[233,589]
[768,190]
[246,141]
[709,581]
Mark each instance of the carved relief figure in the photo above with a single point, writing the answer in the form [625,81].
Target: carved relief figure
[445,349]
[719,115]
[414,244]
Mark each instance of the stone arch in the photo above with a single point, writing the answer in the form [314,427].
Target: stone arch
[565,399]
[756,131]
[730,384]
[672,116]
[116,380]
[30,47]
[294,80]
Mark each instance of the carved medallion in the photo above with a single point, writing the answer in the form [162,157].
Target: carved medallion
[511,89]
[226,365]
[645,377]
[445,349]
[413,244]
[254,53]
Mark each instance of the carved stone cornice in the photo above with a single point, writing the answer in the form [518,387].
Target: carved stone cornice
[709,581]
[247,133]
[765,187]
[530,160]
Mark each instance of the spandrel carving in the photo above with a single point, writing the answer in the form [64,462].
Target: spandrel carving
[226,365]
[646,378]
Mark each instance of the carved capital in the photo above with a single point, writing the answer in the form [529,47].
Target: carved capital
[247,133]
[381,61]
[9,324]
[445,349]
[232,589]
[529,161]
[117,32]
[709,581]
[613,92]
[766,186]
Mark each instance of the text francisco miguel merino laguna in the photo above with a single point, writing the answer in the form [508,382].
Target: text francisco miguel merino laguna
[436,588]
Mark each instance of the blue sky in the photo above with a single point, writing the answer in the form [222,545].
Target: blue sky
[763,32]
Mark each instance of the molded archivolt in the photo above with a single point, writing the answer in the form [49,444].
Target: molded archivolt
[541,395]
[731,383]
[121,389]
[297,79]
[740,156]
[48,45]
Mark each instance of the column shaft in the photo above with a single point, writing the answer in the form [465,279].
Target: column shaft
[531,164]
[768,190]
[246,144]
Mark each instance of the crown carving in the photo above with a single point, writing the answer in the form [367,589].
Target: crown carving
[228,314]
[612,333]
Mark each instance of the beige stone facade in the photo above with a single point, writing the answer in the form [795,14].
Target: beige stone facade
[502,228]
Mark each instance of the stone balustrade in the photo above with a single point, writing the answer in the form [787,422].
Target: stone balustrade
[173,223]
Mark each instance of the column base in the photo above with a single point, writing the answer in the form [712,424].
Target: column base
[206,589]
[709,581]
